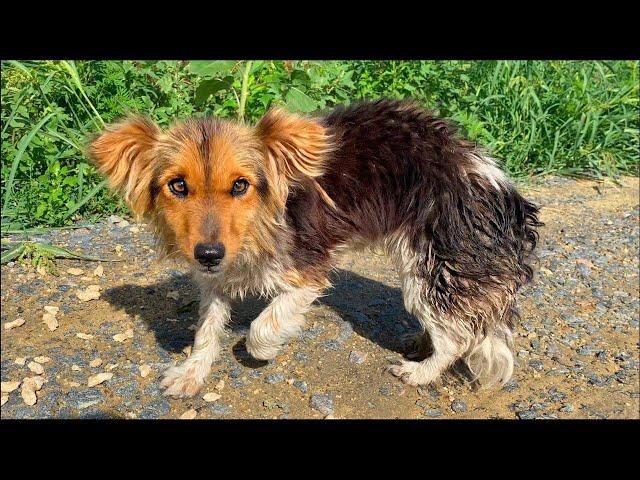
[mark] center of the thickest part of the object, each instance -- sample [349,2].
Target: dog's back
[460,233]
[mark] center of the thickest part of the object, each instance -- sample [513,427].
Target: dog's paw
[184,380]
[410,373]
[261,351]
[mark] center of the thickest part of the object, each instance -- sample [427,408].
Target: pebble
[42,359]
[84,336]
[536,365]
[121,337]
[433,413]
[144,370]
[16,323]
[21,360]
[458,406]
[75,271]
[99,378]
[301,385]
[189,414]
[92,292]
[35,368]
[211,397]
[357,357]
[274,378]
[322,403]
[50,321]
[8,387]
[95,362]
[99,271]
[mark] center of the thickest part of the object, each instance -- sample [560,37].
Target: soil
[577,345]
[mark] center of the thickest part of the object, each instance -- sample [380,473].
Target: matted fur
[383,173]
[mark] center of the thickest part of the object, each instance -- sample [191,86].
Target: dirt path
[577,344]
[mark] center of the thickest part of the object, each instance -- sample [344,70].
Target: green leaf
[209,87]
[58,252]
[298,101]
[211,68]
[16,160]
[12,253]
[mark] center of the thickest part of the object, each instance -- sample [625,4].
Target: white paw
[261,351]
[184,380]
[411,373]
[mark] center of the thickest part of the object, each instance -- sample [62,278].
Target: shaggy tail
[491,360]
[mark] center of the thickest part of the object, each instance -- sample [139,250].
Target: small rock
[50,321]
[99,378]
[211,397]
[121,337]
[322,403]
[92,292]
[274,378]
[433,413]
[458,406]
[145,370]
[28,394]
[84,336]
[42,359]
[189,414]
[8,387]
[220,385]
[95,362]
[75,271]
[21,361]
[99,271]
[301,385]
[76,368]
[566,408]
[35,368]
[16,323]
[536,365]
[357,357]
[53,310]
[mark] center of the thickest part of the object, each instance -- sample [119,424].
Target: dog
[267,209]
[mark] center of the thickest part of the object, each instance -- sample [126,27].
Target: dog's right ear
[124,153]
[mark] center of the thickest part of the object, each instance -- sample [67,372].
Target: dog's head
[213,188]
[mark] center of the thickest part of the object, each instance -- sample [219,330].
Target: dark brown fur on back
[397,168]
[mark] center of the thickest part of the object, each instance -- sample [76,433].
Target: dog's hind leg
[280,321]
[447,347]
[449,339]
[186,379]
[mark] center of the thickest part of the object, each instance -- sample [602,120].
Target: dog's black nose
[209,254]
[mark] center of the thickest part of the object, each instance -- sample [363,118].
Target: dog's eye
[239,187]
[178,187]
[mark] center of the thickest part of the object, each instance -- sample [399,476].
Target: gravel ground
[576,347]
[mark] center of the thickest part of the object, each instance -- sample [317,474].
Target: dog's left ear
[295,146]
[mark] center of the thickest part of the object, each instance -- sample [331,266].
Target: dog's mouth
[209,270]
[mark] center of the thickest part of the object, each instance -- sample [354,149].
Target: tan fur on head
[123,152]
[295,148]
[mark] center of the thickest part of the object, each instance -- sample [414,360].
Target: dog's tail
[491,359]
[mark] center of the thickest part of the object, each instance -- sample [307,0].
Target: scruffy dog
[266,209]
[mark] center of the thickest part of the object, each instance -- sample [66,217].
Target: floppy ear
[295,146]
[123,152]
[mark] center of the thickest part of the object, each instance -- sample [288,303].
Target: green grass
[556,117]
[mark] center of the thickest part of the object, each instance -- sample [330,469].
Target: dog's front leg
[186,379]
[280,321]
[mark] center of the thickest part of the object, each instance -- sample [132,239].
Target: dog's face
[211,187]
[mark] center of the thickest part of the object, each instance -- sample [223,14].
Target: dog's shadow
[373,309]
